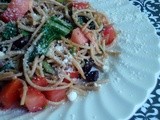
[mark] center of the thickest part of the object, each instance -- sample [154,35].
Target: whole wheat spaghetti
[52,49]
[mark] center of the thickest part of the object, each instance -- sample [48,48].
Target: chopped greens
[7,65]
[61,22]
[54,29]
[24,33]
[47,67]
[43,43]
[10,31]
[73,50]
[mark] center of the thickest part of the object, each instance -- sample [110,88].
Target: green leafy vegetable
[9,31]
[47,67]
[43,44]
[24,33]
[61,22]
[73,50]
[52,30]
[8,65]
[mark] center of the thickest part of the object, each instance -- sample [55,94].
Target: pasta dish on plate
[51,51]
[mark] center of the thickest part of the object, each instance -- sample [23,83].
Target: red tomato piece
[109,32]
[78,37]
[16,10]
[41,81]
[66,80]
[35,100]
[10,94]
[80,5]
[74,74]
[56,95]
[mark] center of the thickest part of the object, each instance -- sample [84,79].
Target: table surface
[151,109]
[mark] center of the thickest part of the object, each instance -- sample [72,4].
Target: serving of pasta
[51,51]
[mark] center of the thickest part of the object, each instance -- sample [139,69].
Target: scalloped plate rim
[136,107]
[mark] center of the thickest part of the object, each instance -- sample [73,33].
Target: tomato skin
[110,32]
[41,81]
[10,94]
[73,74]
[78,37]
[16,10]
[56,95]
[80,5]
[35,100]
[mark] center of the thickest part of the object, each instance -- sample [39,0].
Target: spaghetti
[59,41]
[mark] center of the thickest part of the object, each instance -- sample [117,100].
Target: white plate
[132,78]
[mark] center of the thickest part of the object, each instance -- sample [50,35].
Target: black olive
[92,76]
[92,26]
[83,19]
[19,44]
[88,65]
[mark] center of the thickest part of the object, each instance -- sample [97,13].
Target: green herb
[62,22]
[9,31]
[8,65]
[73,50]
[47,67]
[24,33]
[54,29]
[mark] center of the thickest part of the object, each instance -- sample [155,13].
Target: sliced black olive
[92,76]
[92,26]
[82,19]
[19,44]
[88,65]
